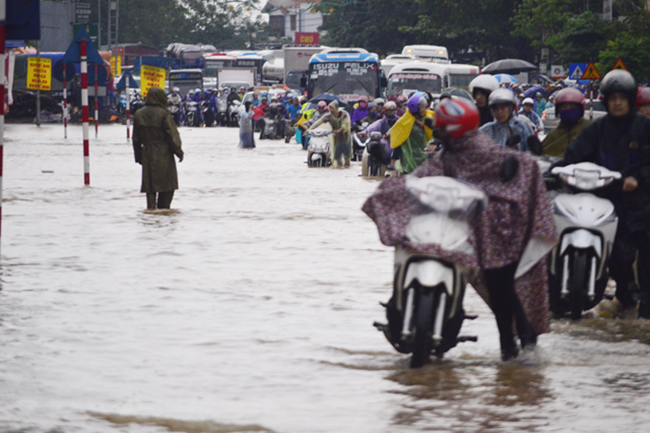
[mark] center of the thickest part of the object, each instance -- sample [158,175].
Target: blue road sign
[576,70]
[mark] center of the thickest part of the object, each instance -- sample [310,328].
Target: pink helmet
[643,96]
[401,99]
[363,99]
[457,117]
[569,95]
[322,104]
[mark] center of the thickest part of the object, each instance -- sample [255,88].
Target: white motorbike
[578,272]
[425,313]
[318,152]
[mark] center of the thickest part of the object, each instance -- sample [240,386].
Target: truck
[236,77]
[297,59]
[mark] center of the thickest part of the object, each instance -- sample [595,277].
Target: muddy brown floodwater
[249,308]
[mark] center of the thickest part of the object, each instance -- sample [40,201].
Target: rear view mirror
[303,82]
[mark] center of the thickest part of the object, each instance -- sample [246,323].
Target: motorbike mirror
[513,141]
[534,145]
[509,169]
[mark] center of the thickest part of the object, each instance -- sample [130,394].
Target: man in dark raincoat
[155,142]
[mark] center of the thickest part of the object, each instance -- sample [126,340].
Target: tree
[371,24]
[483,26]
[582,38]
[632,45]
[537,20]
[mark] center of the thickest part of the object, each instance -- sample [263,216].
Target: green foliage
[538,20]
[160,22]
[372,24]
[582,38]
[632,45]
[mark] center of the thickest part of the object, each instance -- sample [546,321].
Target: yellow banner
[151,76]
[116,66]
[39,73]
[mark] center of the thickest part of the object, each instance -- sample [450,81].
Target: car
[551,122]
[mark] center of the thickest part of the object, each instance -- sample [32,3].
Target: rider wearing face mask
[620,141]
[570,108]
[360,111]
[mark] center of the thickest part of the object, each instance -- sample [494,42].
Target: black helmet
[621,81]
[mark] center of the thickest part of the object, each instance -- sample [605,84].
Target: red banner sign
[303,38]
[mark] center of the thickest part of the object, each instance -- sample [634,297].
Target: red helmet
[570,95]
[457,117]
[643,96]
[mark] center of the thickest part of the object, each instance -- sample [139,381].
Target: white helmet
[502,96]
[378,101]
[484,82]
[528,101]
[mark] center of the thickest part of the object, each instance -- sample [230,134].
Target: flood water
[249,308]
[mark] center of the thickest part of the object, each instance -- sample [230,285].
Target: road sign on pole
[619,64]
[591,73]
[576,70]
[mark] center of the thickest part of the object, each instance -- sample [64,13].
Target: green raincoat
[155,142]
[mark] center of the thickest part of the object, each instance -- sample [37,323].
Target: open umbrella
[509,66]
[328,97]
[505,78]
[531,92]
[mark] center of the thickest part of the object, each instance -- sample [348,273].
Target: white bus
[407,78]
[395,59]
[428,53]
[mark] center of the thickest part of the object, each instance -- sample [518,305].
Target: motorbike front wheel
[578,284]
[422,341]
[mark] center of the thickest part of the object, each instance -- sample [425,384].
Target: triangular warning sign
[591,73]
[619,64]
[577,73]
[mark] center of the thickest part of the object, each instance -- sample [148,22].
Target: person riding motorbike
[506,129]
[481,87]
[514,279]
[570,108]
[411,133]
[321,110]
[232,96]
[643,101]
[401,101]
[360,111]
[527,110]
[383,126]
[620,141]
[374,114]
[340,122]
[273,116]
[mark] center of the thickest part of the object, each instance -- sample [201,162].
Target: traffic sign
[591,73]
[557,71]
[576,70]
[619,64]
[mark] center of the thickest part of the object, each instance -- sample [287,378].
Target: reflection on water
[173,425]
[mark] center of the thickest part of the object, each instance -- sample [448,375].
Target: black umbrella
[509,66]
[328,97]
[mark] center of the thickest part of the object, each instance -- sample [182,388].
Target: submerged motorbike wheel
[578,282]
[422,342]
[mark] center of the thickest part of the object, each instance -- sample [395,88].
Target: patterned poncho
[517,217]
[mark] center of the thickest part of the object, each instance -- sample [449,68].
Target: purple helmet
[415,102]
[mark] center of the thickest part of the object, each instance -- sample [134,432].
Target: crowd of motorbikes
[425,313]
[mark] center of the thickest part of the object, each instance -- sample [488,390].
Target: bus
[407,78]
[348,74]
[428,53]
[460,75]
